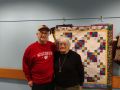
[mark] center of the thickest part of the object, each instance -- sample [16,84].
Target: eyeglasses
[63,44]
[44,32]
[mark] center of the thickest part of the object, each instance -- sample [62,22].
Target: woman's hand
[80,87]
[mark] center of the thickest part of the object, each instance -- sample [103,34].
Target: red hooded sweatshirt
[38,62]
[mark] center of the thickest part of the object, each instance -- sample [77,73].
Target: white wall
[15,36]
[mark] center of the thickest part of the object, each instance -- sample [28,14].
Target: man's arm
[26,67]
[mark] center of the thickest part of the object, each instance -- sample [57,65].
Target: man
[69,71]
[38,61]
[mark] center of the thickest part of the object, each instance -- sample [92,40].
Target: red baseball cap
[43,28]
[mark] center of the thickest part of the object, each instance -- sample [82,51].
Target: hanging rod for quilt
[45,20]
[63,19]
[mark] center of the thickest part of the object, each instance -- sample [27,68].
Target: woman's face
[63,47]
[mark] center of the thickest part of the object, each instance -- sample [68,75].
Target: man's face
[43,36]
[63,47]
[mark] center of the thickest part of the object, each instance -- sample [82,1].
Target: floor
[94,89]
[100,89]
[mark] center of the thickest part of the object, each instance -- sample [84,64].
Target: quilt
[93,43]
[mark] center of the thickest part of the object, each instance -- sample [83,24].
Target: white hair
[63,39]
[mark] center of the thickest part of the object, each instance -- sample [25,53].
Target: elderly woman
[69,71]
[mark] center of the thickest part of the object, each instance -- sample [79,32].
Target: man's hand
[30,83]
